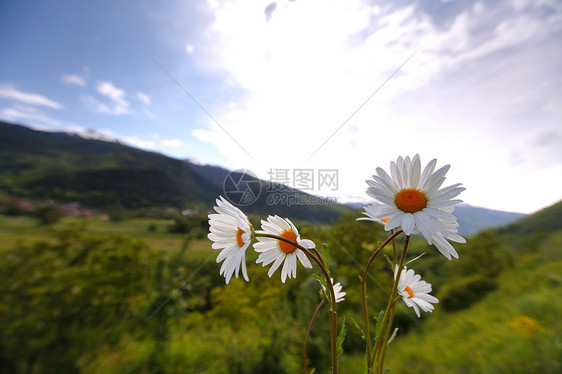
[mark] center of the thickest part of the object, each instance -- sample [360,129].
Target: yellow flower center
[286,247]
[410,200]
[409,291]
[239,240]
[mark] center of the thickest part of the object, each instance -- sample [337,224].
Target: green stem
[364,294]
[385,345]
[376,354]
[330,287]
[308,334]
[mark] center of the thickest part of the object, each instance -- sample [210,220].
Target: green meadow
[98,296]
[24,229]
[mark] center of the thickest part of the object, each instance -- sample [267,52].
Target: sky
[285,87]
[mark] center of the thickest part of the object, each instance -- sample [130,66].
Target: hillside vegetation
[109,175]
[82,302]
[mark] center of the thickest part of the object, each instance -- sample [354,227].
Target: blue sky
[303,84]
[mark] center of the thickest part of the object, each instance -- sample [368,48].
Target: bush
[62,299]
[466,291]
[195,225]
[48,215]
[14,210]
[486,253]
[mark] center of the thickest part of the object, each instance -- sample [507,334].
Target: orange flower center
[409,291]
[410,200]
[286,247]
[239,240]
[385,220]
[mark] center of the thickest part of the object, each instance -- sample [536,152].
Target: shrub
[48,215]
[466,291]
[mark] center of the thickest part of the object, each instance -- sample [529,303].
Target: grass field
[514,329]
[22,229]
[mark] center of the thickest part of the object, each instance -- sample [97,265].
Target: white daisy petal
[303,259]
[427,171]
[275,266]
[408,222]
[307,243]
[286,269]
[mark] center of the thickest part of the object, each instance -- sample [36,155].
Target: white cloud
[103,108]
[119,105]
[148,113]
[146,144]
[73,79]
[113,93]
[10,92]
[189,48]
[174,143]
[203,135]
[316,62]
[143,97]
[30,115]
[98,134]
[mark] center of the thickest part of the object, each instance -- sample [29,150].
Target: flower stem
[364,294]
[385,345]
[329,286]
[385,328]
[308,334]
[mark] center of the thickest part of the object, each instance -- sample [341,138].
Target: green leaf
[319,278]
[378,326]
[341,338]
[389,261]
[326,257]
[358,328]
[392,336]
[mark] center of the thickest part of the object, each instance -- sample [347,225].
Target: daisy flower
[414,292]
[337,291]
[231,231]
[271,249]
[413,199]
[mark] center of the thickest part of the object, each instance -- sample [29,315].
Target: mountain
[530,230]
[474,219]
[107,174]
[104,174]
[67,167]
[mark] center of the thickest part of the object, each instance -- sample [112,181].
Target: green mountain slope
[104,175]
[96,173]
[512,328]
[529,230]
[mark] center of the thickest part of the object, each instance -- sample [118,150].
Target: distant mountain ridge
[474,219]
[104,173]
